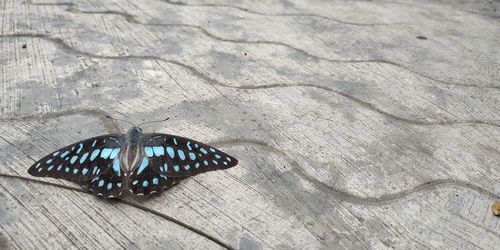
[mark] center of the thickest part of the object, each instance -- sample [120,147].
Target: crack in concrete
[131,19]
[343,195]
[281,14]
[372,107]
[336,193]
[110,125]
[126,202]
[349,197]
[65,47]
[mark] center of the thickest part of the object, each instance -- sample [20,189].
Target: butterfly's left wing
[93,162]
[177,156]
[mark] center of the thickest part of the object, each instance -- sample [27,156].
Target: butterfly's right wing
[167,159]
[93,162]
[177,156]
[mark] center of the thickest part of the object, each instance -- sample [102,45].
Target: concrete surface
[358,124]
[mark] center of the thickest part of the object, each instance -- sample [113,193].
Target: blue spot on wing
[143,165]
[73,159]
[106,152]
[192,156]
[79,148]
[94,154]
[116,167]
[181,154]
[84,157]
[164,168]
[159,151]
[149,151]
[171,152]
[114,153]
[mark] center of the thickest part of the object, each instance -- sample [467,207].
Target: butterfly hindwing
[109,183]
[145,180]
[177,156]
[93,162]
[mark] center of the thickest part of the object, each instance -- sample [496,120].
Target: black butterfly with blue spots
[140,163]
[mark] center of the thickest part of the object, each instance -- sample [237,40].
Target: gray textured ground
[358,124]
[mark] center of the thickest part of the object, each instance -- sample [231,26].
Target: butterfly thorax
[134,135]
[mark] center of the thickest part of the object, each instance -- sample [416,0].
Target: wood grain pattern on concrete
[358,124]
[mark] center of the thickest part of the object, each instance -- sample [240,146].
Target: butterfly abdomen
[131,157]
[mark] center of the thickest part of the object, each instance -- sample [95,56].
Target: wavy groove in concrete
[352,198]
[110,125]
[131,18]
[280,14]
[336,193]
[62,45]
[342,195]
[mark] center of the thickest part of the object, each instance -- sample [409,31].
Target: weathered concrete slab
[358,124]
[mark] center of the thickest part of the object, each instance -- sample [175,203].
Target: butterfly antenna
[166,119]
[133,125]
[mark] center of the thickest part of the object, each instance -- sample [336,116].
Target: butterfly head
[134,134]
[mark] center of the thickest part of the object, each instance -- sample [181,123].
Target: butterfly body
[136,162]
[132,153]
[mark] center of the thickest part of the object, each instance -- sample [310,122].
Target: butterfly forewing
[93,162]
[177,156]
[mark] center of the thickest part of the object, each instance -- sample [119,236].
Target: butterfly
[141,163]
